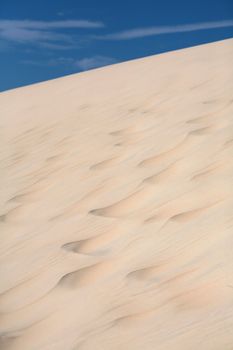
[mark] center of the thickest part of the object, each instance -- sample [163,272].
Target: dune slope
[116,211]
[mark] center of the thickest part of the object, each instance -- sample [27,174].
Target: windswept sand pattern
[116,207]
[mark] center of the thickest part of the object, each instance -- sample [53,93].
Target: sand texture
[117,207]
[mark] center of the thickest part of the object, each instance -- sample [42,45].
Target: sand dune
[116,211]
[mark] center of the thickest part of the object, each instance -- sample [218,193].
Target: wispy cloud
[45,33]
[159,30]
[73,64]
[94,62]
[68,62]
[29,24]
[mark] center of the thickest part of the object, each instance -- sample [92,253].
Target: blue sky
[45,39]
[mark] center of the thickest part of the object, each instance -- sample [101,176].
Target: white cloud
[94,62]
[28,24]
[53,62]
[74,64]
[43,32]
[59,46]
[159,30]
[24,35]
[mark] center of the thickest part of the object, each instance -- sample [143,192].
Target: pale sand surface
[117,207]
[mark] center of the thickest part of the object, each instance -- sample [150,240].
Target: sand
[116,210]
